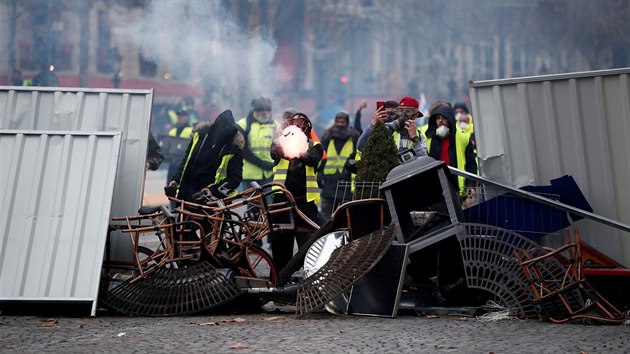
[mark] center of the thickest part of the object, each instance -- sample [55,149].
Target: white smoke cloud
[293,142]
[198,39]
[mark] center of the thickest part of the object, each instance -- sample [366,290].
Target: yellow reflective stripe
[186,132]
[312,189]
[259,142]
[280,172]
[222,169]
[192,148]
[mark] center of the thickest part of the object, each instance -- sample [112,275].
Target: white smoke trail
[199,40]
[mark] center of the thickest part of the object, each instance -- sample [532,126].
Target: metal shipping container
[56,192]
[533,129]
[80,109]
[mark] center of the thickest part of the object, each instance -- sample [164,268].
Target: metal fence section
[90,110]
[56,192]
[533,129]
[351,190]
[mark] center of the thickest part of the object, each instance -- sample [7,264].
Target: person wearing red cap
[404,130]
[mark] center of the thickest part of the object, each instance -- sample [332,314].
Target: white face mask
[463,125]
[442,131]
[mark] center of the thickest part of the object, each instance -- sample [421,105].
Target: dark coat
[214,141]
[435,148]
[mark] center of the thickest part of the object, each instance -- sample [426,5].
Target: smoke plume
[199,43]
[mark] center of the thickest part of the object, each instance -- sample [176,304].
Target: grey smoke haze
[222,54]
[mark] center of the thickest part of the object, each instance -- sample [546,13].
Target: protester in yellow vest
[258,128]
[463,117]
[175,154]
[213,162]
[299,176]
[186,104]
[455,148]
[340,142]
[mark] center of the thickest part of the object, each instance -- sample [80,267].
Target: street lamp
[116,60]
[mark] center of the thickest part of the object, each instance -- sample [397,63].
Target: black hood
[447,112]
[223,129]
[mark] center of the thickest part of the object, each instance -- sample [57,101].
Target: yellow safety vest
[172,114]
[186,132]
[312,189]
[461,141]
[335,161]
[357,158]
[259,141]
[396,135]
[221,170]
[469,128]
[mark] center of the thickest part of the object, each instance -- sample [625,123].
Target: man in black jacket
[453,146]
[214,158]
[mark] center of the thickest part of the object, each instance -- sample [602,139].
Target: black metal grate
[173,291]
[346,265]
[488,255]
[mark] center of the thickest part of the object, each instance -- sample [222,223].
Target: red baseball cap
[409,102]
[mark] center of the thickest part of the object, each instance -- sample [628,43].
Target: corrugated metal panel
[56,194]
[530,130]
[78,109]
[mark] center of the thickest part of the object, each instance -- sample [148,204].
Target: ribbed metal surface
[346,265]
[55,197]
[489,263]
[172,291]
[90,110]
[531,130]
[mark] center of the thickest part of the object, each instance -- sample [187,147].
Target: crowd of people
[224,157]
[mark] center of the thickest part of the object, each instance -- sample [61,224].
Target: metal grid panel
[55,192]
[531,130]
[489,263]
[172,291]
[346,265]
[90,110]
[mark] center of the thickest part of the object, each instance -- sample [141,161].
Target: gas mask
[391,116]
[442,131]
[262,117]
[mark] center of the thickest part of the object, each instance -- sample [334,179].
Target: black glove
[351,166]
[152,165]
[219,191]
[171,189]
[199,197]
[265,165]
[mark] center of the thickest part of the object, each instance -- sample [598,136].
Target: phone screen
[379,104]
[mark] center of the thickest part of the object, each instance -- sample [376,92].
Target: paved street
[282,332]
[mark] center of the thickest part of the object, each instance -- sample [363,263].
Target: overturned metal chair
[561,293]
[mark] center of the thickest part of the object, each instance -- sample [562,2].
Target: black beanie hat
[462,106]
[261,104]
